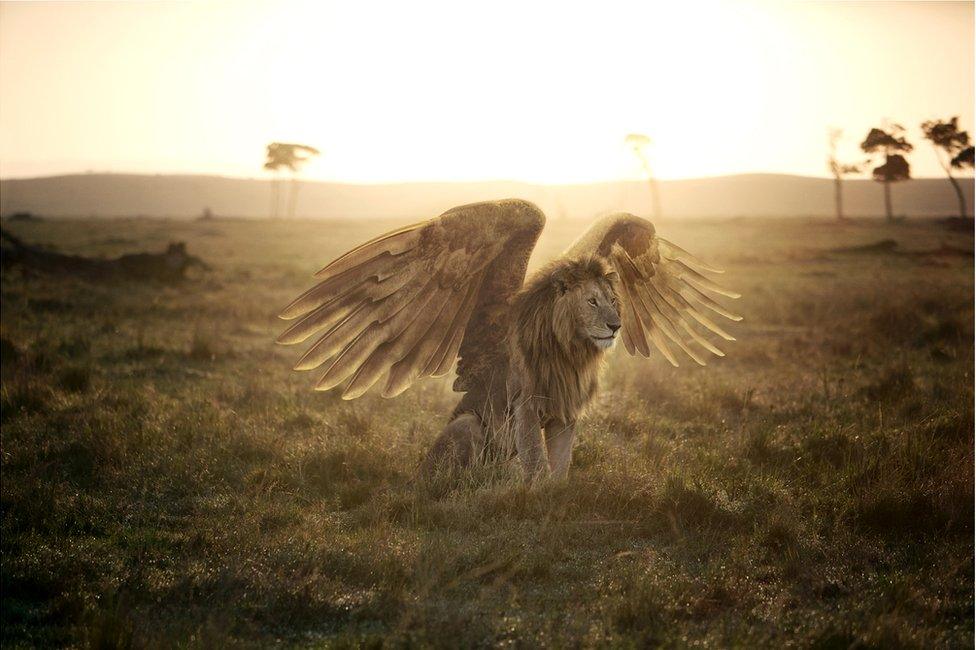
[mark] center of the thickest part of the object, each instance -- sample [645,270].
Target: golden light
[454,91]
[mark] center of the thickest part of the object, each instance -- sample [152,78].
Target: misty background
[186,196]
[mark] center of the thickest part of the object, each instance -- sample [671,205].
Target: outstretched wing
[407,303]
[664,291]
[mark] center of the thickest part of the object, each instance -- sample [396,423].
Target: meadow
[167,480]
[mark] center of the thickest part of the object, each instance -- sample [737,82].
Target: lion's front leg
[529,443]
[559,444]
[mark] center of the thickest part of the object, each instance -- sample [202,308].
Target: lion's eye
[592,302]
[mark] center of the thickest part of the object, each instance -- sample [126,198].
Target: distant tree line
[887,146]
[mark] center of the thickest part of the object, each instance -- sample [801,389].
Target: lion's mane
[555,365]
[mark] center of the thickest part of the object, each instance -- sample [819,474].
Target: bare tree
[838,170]
[887,143]
[949,144]
[640,143]
[285,155]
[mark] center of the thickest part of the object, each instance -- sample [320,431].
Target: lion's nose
[614,326]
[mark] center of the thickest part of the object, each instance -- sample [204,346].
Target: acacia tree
[949,144]
[888,143]
[291,156]
[640,143]
[838,170]
[964,160]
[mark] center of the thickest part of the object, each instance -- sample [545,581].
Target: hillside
[117,195]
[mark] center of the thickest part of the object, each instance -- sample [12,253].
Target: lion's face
[595,308]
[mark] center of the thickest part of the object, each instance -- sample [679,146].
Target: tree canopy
[964,159]
[288,155]
[879,140]
[946,135]
[894,169]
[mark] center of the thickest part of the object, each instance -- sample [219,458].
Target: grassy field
[168,480]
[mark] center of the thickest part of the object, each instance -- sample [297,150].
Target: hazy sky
[420,90]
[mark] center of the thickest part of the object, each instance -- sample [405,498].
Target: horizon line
[454,182]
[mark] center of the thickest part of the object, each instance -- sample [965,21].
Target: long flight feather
[691,275]
[664,324]
[697,295]
[411,365]
[701,340]
[327,315]
[674,252]
[443,359]
[371,338]
[370,362]
[394,243]
[662,345]
[672,294]
[628,312]
[380,267]
[342,335]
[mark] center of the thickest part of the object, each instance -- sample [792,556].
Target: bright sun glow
[449,91]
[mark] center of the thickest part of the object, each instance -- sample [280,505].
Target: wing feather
[662,345]
[668,287]
[674,252]
[661,321]
[627,340]
[443,358]
[691,275]
[662,316]
[675,315]
[630,319]
[410,366]
[701,340]
[380,267]
[331,312]
[388,356]
[710,324]
[664,289]
[366,316]
[393,243]
[380,335]
[701,298]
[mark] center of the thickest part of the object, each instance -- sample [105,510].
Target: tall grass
[168,481]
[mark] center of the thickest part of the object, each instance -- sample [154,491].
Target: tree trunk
[959,194]
[887,197]
[655,198]
[838,199]
[652,183]
[274,197]
[293,197]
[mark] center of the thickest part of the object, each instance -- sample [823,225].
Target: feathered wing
[665,294]
[406,304]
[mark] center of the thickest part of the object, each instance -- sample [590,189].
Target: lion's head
[585,305]
[573,304]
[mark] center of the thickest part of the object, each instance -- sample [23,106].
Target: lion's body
[550,367]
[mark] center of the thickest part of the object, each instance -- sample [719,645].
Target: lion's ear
[611,276]
[559,281]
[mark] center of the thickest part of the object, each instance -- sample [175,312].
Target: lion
[562,322]
[450,293]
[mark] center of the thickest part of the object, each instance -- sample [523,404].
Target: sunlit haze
[414,91]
